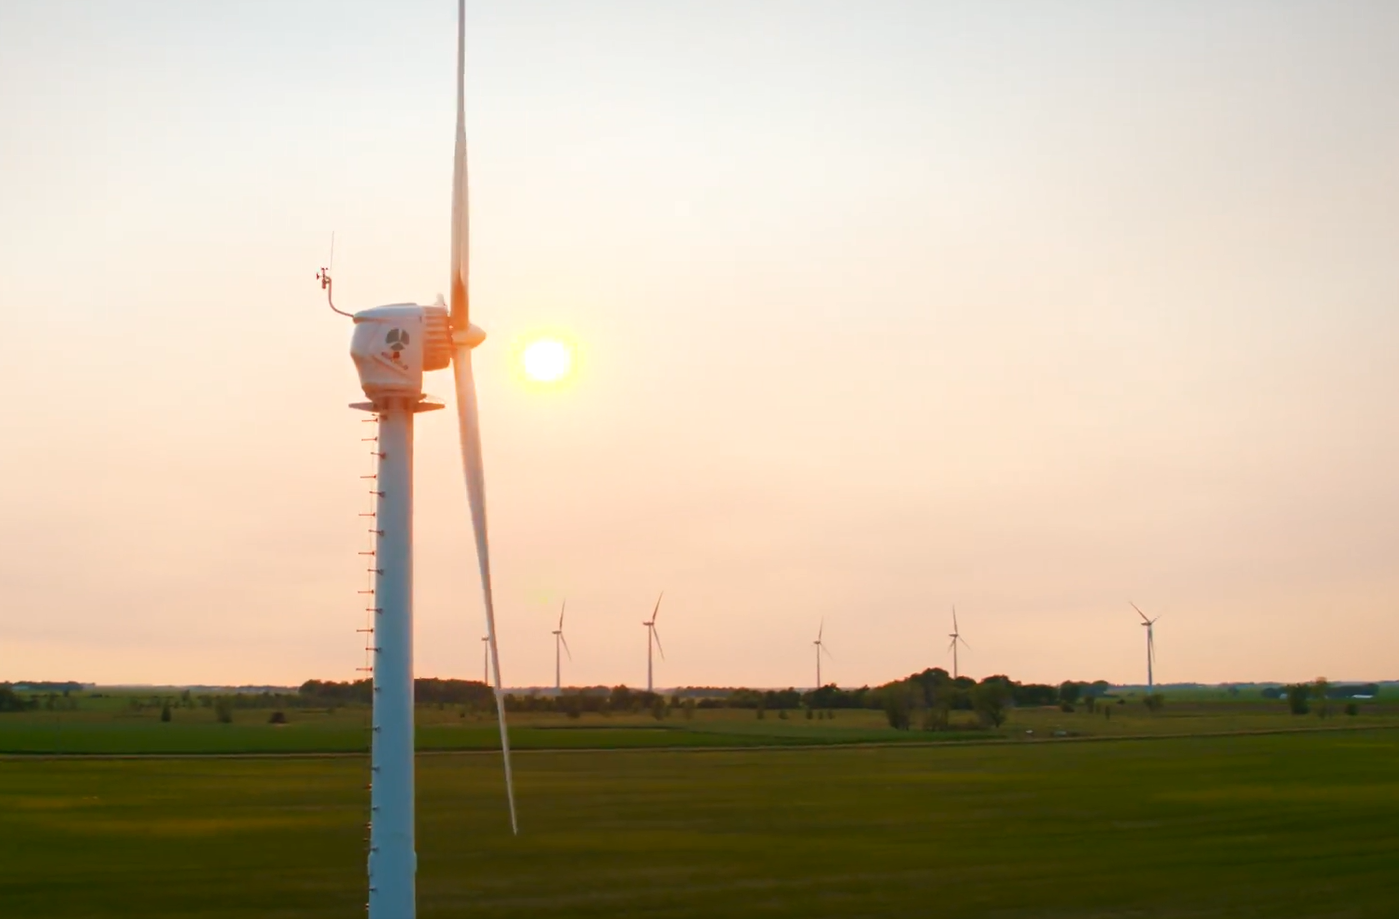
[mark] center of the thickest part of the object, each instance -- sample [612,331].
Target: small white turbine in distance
[653,637]
[1150,626]
[957,638]
[820,649]
[559,640]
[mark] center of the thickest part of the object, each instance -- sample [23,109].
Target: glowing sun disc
[547,360]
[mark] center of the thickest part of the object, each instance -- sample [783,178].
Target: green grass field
[1291,825]
[108,724]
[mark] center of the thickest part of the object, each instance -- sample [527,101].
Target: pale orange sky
[1034,308]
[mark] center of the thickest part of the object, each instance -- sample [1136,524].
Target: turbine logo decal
[396,340]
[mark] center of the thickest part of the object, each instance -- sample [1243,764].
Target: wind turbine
[653,637]
[392,346]
[560,640]
[820,648]
[1150,625]
[956,637]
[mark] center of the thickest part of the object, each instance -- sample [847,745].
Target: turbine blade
[657,611]
[657,636]
[561,609]
[1139,612]
[827,651]
[952,644]
[565,646]
[964,642]
[954,618]
[821,631]
[468,420]
[461,311]
[469,426]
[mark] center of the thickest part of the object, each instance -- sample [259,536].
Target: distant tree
[223,710]
[1067,707]
[1069,692]
[278,717]
[1352,708]
[898,706]
[688,709]
[11,701]
[1091,703]
[809,713]
[658,708]
[1320,688]
[1297,694]
[761,712]
[934,718]
[165,712]
[991,699]
[782,714]
[1153,701]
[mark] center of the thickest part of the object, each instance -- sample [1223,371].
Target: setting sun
[547,360]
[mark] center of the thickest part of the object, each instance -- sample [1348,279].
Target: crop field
[1287,825]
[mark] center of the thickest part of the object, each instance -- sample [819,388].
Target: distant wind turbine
[956,637]
[653,637]
[820,648]
[559,640]
[1149,625]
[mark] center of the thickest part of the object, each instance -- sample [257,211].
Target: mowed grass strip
[1267,826]
[346,730]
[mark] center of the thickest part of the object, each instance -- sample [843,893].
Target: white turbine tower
[560,640]
[1150,626]
[392,346]
[653,638]
[957,638]
[820,649]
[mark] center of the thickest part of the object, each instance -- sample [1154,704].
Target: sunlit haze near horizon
[873,309]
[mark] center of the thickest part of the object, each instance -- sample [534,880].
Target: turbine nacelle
[392,346]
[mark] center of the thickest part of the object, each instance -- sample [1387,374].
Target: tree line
[924,699]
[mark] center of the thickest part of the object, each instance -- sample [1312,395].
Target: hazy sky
[1035,308]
